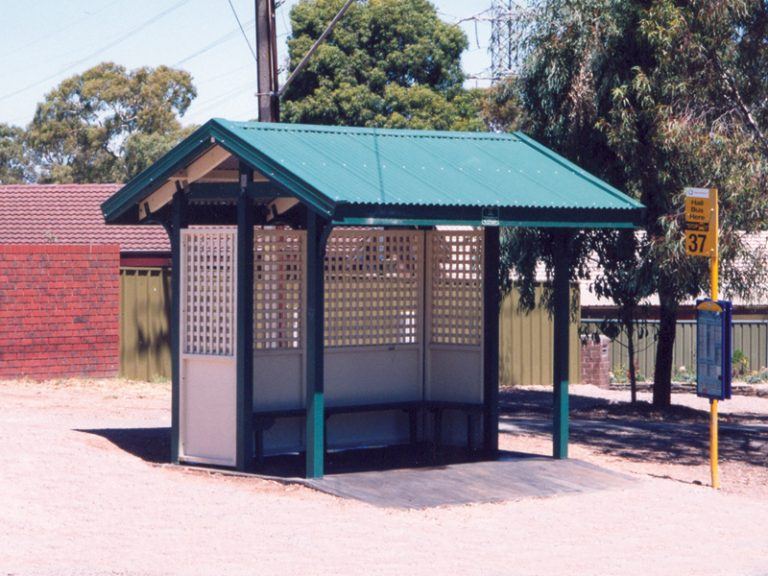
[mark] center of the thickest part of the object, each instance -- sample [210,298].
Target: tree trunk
[662,375]
[630,329]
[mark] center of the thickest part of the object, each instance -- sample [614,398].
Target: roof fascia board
[358,214]
[502,223]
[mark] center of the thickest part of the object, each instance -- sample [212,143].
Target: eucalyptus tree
[15,164]
[108,123]
[653,97]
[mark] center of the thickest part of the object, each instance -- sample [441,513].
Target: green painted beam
[460,221]
[217,191]
[245,219]
[178,222]
[491,305]
[318,230]
[562,303]
[519,216]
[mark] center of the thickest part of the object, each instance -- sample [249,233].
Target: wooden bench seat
[264,419]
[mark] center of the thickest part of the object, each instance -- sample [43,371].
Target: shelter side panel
[278,384]
[455,375]
[208,397]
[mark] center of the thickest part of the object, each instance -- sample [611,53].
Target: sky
[45,41]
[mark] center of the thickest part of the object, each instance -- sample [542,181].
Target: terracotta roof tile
[69,214]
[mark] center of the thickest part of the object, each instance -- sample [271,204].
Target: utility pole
[266,57]
[266,61]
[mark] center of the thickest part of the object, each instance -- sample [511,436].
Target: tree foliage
[390,63]
[108,123]
[655,96]
[15,166]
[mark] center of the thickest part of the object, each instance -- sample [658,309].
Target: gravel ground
[72,502]
[671,444]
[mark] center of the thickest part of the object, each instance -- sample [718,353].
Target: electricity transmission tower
[502,41]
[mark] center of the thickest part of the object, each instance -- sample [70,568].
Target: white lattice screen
[457,287]
[373,287]
[278,288]
[373,290]
[208,291]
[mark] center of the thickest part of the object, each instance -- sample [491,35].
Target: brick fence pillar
[596,360]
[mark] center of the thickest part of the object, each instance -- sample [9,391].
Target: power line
[245,36]
[217,42]
[112,44]
[59,30]
[210,102]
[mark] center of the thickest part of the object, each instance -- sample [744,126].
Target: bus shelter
[338,288]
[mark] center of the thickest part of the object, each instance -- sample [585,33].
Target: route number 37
[696,243]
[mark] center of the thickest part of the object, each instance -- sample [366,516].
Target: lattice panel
[372,287]
[278,289]
[457,287]
[208,291]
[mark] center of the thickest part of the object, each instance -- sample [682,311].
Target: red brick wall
[59,311]
[596,361]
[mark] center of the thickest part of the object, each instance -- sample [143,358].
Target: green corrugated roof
[366,175]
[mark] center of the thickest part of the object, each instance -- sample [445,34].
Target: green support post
[491,304]
[562,303]
[317,237]
[245,438]
[178,222]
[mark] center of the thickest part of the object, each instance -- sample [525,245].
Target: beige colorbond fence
[749,336]
[145,310]
[525,342]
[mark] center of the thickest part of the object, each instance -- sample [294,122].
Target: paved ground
[512,477]
[72,501]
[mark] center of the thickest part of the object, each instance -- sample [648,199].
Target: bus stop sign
[713,349]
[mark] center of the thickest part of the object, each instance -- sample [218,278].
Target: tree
[390,63]
[652,97]
[627,284]
[15,165]
[106,124]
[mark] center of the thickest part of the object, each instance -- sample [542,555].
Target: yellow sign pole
[714,263]
[702,227]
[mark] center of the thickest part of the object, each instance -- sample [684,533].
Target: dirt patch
[73,500]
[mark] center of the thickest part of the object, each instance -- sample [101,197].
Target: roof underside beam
[203,168]
[277,201]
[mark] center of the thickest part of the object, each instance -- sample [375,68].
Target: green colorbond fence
[145,342]
[749,336]
[525,345]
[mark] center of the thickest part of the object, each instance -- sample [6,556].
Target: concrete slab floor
[512,477]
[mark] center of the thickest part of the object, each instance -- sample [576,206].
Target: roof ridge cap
[375,131]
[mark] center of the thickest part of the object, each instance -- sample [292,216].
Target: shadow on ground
[641,432]
[150,444]
[154,445]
